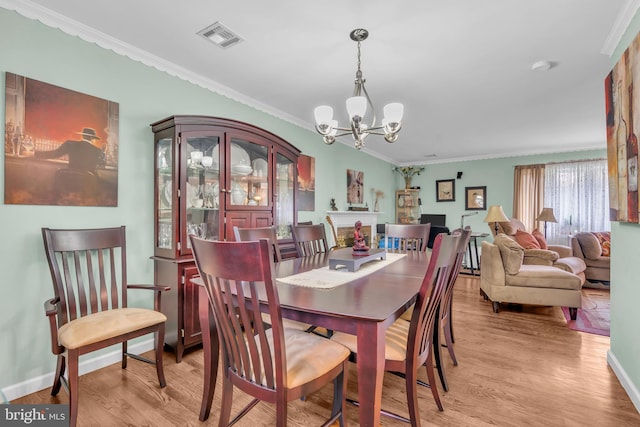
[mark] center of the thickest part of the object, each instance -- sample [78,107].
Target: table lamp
[496,215]
[546,215]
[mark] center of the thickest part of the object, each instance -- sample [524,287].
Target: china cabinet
[212,174]
[408,206]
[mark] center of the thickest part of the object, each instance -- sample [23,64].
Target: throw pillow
[604,237]
[526,240]
[540,238]
[590,245]
[512,253]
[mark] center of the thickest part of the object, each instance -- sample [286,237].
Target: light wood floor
[520,367]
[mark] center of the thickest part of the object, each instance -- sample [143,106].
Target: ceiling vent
[220,35]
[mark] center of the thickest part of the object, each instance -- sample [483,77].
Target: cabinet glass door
[201,190]
[165,193]
[284,184]
[249,174]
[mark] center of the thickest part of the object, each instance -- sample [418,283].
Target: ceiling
[462,68]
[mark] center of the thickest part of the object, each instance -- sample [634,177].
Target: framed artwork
[621,91]
[475,198]
[446,190]
[355,186]
[306,183]
[60,146]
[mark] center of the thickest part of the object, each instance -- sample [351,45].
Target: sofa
[504,278]
[560,256]
[594,250]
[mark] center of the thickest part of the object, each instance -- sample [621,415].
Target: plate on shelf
[239,169]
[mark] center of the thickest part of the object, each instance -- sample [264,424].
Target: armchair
[560,256]
[587,247]
[505,278]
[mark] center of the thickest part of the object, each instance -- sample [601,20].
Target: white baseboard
[627,384]
[33,385]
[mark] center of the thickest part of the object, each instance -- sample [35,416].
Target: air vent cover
[218,34]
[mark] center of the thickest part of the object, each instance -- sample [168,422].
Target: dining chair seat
[105,325]
[307,356]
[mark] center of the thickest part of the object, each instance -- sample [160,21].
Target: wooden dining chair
[269,233]
[268,362]
[405,237]
[248,234]
[309,239]
[408,345]
[89,310]
[444,318]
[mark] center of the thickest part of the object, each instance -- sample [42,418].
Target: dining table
[364,304]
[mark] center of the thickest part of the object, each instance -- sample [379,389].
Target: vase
[407,182]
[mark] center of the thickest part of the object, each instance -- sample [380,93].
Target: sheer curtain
[528,193]
[578,192]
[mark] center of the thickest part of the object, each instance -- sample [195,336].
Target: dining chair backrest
[423,320]
[239,279]
[446,306]
[406,237]
[309,239]
[88,268]
[235,274]
[254,234]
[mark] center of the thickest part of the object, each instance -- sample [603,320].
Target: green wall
[146,95]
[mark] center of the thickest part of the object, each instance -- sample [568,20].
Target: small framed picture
[446,190]
[475,198]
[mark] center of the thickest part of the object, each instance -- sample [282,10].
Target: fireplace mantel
[346,220]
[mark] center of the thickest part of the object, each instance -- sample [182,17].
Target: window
[578,192]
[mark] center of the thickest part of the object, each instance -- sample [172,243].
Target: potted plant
[408,172]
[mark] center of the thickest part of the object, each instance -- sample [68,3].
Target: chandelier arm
[373,110]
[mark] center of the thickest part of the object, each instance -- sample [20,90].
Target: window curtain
[528,193]
[578,192]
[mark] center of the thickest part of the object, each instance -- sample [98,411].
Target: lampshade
[323,114]
[393,112]
[547,215]
[496,214]
[357,106]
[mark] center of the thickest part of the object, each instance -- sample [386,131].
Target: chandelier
[357,108]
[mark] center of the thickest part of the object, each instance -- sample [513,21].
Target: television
[434,219]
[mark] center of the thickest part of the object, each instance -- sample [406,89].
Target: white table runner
[324,278]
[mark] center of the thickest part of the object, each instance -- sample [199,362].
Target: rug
[593,317]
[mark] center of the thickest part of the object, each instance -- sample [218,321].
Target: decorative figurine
[359,245]
[332,203]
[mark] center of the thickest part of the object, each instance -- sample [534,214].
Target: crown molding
[626,14]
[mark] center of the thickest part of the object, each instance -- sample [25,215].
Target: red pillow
[540,238]
[526,240]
